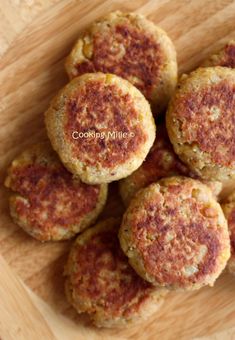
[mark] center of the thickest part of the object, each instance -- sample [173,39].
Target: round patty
[228,207]
[201,122]
[160,162]
[101,126]
[175,234]
[131,47]
[100,281]
[49,203]
[225,57]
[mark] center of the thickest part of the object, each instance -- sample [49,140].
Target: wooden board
[35,36]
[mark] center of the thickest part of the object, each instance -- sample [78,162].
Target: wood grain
[35,36]
[20,319]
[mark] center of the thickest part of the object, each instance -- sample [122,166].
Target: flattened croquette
[131,47]
[175,234]
[101,126]
[48,202]
[200,122]
[100,281]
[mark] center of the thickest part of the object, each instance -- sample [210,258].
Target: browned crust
[105,106]
[175,234]
[160,162]
[200,122]
[99,105]
[225,57]
[228,207]
[48,202]
[100,282]
[131,47]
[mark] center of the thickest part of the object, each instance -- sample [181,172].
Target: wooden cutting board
[35,36]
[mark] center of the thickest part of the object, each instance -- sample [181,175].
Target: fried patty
[100,281]
[175,234]
[225,57]
[160,162]
[131,47]
[228,207]
[101,126]
[48,202]
[200,122]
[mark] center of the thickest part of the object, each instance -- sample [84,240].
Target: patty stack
[174,234]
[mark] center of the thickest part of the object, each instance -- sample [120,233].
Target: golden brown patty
[175,234]
[200,122]
[100,282]
[228,207]
[160,162]
[48,202]
[225,57]
[101,126]
[131,47]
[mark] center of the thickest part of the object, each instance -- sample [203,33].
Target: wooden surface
[15,304]
[35,36]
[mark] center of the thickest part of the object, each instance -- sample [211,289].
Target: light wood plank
[20,319]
